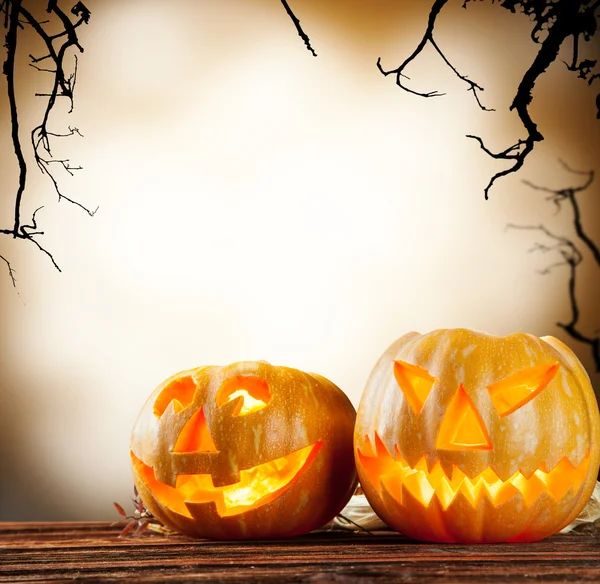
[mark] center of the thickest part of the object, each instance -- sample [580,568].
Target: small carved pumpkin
[244,451]
[467,437]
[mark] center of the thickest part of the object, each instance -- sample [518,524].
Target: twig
[296,22]
[428,38]
[359,527]
[571,256]
[559,20]
[11,271]
[141,519]
[15,16]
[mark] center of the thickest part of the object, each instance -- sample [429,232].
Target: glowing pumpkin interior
[462,429]
[253,394]
[258,485]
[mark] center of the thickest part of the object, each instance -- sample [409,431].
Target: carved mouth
[395,475]
[257,486]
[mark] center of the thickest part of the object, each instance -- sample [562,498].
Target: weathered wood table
[61,552]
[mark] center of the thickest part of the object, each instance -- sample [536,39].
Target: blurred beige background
[259,203]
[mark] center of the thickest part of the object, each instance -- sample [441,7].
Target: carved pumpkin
[244,451]
[467,437]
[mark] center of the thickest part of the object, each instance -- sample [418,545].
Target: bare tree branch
[557,20]
[12,11]
[428,38]
[569,195]
[11,272]
[567,249]
[56,45]
[571,256]
[296,22]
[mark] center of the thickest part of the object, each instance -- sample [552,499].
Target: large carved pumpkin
[244,451]
[467,437]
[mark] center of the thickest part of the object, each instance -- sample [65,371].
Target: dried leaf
[120,509]
[141,519]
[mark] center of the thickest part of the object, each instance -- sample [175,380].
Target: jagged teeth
[395,474]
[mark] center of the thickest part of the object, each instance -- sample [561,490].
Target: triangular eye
[514,391]
[180,391]
[195,435]
[415,382]
[462,427]
[252,394]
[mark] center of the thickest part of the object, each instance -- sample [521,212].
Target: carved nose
[462,427]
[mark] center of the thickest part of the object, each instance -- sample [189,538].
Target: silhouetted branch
[11,271]
[428,38]
[547,54]
[567,249]
[63,85]
[296,22]
[557,20]
[571,256]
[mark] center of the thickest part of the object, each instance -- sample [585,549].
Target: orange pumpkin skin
[467,437]
[245,451]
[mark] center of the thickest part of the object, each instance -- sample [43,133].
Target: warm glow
[516,390]
[415,382]
[249,404]
[395,475]
[259,203]
[462,427]
[257,486]
[195,435]
[180,392]
[252,393]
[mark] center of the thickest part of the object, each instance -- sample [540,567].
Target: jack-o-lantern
[245,451]
[468,437]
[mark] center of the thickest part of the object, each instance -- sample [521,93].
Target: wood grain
[61,552]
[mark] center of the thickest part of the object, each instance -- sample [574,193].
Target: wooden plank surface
[61,552]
